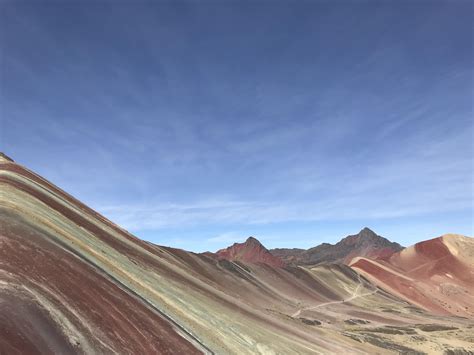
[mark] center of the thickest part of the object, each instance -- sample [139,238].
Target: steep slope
[437,275]
[251,251]
[53,297]
[365,243]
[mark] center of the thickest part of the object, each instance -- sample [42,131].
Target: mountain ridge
[364,243]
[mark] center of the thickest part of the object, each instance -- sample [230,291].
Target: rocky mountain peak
[364,243]
[251,251]
[253,241]
[367,232]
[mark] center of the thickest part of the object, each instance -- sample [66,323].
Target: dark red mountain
[251,251]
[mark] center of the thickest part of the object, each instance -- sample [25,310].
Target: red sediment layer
[432,249]
[440,282]
[105,315]
[399,284]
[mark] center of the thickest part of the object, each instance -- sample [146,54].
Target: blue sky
[197,124]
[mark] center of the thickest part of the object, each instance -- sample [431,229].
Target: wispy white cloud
[196,130]
[425,179]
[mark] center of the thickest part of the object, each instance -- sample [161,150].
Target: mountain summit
[368,239]
[251,251]
[364,243]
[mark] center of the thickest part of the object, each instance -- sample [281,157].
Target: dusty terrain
[437,275]
[71,281]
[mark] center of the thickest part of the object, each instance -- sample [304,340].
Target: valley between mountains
[72,281]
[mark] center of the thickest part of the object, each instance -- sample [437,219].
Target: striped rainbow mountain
[71,281]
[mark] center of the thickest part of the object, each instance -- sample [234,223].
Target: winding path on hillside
[352,297]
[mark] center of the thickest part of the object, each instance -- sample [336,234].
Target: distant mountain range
[427,274]
[364,243]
